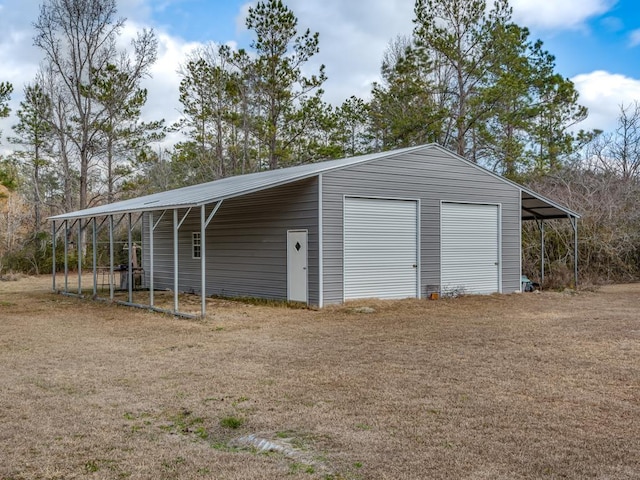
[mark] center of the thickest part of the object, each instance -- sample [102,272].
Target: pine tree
[121,134]
[34,134]
[5,94]
[281,88]
[455,39]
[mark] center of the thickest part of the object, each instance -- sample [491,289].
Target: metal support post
[53,255]
[203,263]
[129,264]
[151,259]
[542,253]
[111,286]
[79,255]
[95,258]
[574,223]
[66,256]
[175,260]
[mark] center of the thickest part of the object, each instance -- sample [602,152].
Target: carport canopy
[538,208]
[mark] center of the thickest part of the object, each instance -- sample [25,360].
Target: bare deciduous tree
[78,39]
[618,152]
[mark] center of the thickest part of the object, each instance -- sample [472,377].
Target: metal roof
[537,207]
[210,192]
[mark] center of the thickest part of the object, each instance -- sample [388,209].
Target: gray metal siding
[431,177]
[246,244]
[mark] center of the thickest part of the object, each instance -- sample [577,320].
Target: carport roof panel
[537,207]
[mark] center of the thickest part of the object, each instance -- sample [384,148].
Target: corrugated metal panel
[380,248]
[244,184]
[227,187]
[246,244]
[470,248]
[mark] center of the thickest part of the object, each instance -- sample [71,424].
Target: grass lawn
[492,387]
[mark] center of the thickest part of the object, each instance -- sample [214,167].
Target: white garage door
[470,248]
[380,248]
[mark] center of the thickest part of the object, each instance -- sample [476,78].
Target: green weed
[91,466]
[231,422]
[297,467]
[363,426]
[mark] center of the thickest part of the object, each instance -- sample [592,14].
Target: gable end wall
[431,177]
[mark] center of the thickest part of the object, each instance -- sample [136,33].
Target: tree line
[467,77]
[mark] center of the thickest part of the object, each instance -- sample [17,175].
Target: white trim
[320,246]
[375,197]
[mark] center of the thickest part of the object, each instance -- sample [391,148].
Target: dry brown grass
[514,386]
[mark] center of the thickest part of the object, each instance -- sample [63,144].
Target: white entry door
[297,281]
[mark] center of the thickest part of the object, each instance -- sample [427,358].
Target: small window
[195,244]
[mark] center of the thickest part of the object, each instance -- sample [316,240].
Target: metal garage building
[395,224]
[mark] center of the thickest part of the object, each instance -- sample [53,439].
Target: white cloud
[242,15]
[163,101]
[353,38]
[603,93]
[558,14]
[20,62]
[634,38]
[164,80]
[18,57]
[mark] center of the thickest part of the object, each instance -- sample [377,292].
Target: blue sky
[596,44]
[199,20]
[609,41]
